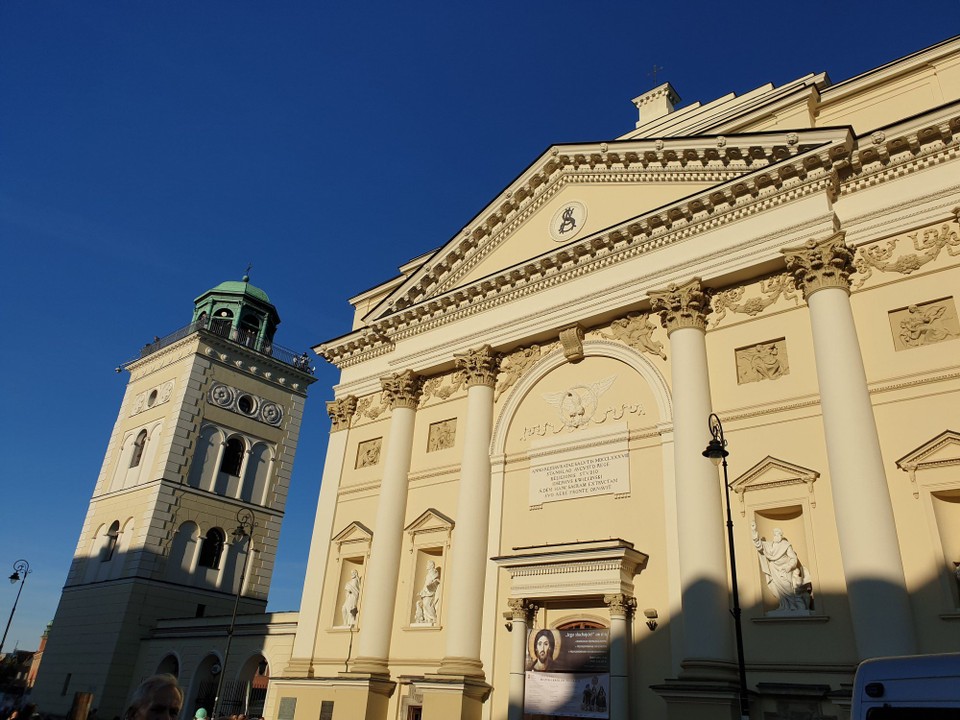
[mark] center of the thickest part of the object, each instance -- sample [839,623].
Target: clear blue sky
[150,149]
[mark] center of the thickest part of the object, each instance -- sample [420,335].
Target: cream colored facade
[519,426]
[156,542]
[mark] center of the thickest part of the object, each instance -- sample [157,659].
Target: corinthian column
[522,612]
[703,564]
[869,548]
[468,564]
[622,608]
[402,392]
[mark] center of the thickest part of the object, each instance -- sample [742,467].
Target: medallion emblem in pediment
[568,221]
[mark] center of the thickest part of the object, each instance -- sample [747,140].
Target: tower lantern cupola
[239,311]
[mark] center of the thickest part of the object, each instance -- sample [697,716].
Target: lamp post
[717,452]
[244,531]
[21,568]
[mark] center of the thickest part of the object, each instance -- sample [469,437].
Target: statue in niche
[786,577]
[636,330]
[351,597]
[923,326]
[425,612]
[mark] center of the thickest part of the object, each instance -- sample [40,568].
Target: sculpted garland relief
[927,245]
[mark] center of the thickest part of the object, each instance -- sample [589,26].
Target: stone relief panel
[753,298]
[894,256]
[513,366]
[442,435]
[924,324]
[763,361]
[152,397]
[244,403]
[579,406]
[368,453]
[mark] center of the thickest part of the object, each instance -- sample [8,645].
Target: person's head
[159,697]
[543,645]
[777,534]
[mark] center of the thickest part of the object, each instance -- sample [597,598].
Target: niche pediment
[940,451]
[430,521]
[770,473]
[353,539]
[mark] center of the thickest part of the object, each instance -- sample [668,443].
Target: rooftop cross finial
[653,73]
[246,275]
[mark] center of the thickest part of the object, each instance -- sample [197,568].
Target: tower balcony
[237,336]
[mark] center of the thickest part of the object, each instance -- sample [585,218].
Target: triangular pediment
[355,532]
[430,520]
[944,449]
[773,472]
[630,188]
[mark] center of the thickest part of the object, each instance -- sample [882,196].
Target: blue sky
[150,149]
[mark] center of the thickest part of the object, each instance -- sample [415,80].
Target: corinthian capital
[402,389]
[681,306]
[341,411]
[522,609]
[819,264]
[479,367]
[620,605]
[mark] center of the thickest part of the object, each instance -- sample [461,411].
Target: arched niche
[256,475]
[183,552]
[206,458]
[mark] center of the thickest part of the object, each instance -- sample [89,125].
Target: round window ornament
[568,221]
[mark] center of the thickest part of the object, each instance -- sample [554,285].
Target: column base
[461,666]
[299,668]
[450,697]
[705,690]
[362,696]
[369,666]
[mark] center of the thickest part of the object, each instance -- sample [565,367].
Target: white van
[919,687]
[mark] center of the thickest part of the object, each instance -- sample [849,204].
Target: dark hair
[147,689]
[547,634]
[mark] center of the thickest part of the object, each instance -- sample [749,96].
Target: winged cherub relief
[577,404]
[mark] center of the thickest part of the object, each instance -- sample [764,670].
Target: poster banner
[578,695]
[568,673]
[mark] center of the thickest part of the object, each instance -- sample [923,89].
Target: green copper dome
[239,311]
[241,287]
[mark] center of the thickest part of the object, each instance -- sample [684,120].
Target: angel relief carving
[927,243]
[514,365]
[636,330]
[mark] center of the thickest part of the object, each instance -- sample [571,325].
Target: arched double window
[212,549]
[110,546]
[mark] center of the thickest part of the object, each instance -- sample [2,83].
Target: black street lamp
[244,531]
[21,568]
[717,452]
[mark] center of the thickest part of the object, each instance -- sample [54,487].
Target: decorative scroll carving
[636,330]
[435,386]
[522,609]
[571,338]
[615,413]
[442,435]
[764,361]
[514,365]
[620,605]
[367,409]
[819,264]
[925,324]
[368,453]
[479,367]
[402,389]
[771,290]
[927,243]
[341,411]
[681,306]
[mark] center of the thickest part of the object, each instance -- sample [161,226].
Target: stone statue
[426,608]
[787,579]
[352,597]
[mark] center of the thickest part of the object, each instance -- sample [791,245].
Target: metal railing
[238,336]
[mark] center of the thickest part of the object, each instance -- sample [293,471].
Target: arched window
[138,446]
[113,534]
[212,549]
[232,457]
[249,329]
[222,322]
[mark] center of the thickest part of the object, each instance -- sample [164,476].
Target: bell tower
[208,428]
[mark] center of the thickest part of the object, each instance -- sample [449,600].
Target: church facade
[517,518]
